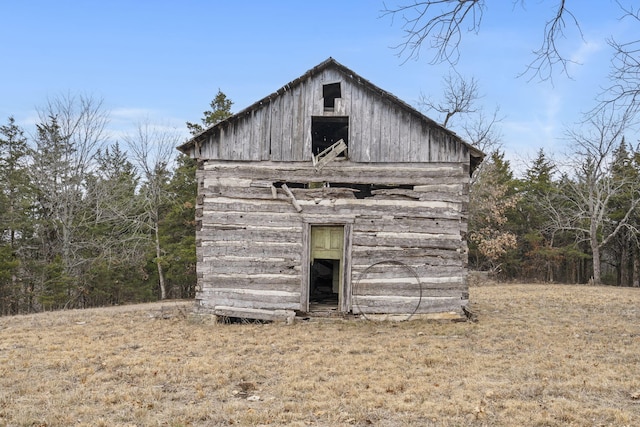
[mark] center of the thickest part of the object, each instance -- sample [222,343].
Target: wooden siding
[252,241]
[380,130]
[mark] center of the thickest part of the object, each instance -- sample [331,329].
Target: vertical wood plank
[305,267]
[375,126]
[286,120]
[396,148]
[276,129]
[346,268]
[404,137]
[308,95]
[355,123]
[297,124]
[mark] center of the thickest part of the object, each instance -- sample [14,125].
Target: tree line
[88,221]
[575,220]
[568,223]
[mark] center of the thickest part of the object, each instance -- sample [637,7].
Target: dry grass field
[539,355]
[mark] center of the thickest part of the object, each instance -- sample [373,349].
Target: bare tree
[69,135]
[459,97]
[441,25]
[459,100]
[583,205]
[153,148]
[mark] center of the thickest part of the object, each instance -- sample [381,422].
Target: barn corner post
[331,197]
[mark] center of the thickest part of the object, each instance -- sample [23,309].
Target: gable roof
[328,63]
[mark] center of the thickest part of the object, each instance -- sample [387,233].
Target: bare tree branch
[624,91]
[153,149]
[441,24]
[548,56]
[431,21]
[584,202]
[459,97]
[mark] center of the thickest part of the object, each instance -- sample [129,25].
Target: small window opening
[330,92]
[326,131]
[366,190]
[278,184]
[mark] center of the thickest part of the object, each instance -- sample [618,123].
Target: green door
[326,242]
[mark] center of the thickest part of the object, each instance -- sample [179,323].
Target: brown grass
[540,355]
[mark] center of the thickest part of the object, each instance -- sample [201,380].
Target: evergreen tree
[119,243]
[536,246]
[178,226]
[15,202]
[220,110]
[178,230]
[623,247]
[53,181]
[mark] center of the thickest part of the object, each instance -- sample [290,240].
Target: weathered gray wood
[258,282]
[369,240]
[253,239]
[242,234]
[367,224]
[305,267]
[265,219]
[293,199]
[390,304]
[212,249]
[327,155]
[347,268]
[406,291]
[326,192]
[252,299]
[378,174]
[419,209]
[254,313]
[256,265]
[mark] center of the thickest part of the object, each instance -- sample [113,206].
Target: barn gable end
[376,226]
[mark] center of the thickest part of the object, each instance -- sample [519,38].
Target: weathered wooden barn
[331,195]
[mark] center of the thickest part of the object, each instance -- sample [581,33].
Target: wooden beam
[328,154]
[254,313]
[294,201]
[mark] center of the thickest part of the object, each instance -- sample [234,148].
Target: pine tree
[15,201]
[623,246]
[119,242]
[536,244]
[220,110]
[178,230]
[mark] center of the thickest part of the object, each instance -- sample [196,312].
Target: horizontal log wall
[250,234]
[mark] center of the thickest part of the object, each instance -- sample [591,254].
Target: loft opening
[330,92]
[326,131]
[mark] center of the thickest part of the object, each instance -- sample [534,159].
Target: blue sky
[165,60]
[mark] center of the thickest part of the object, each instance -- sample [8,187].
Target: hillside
[551,355]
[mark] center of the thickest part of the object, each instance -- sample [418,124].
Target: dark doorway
[324,283]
